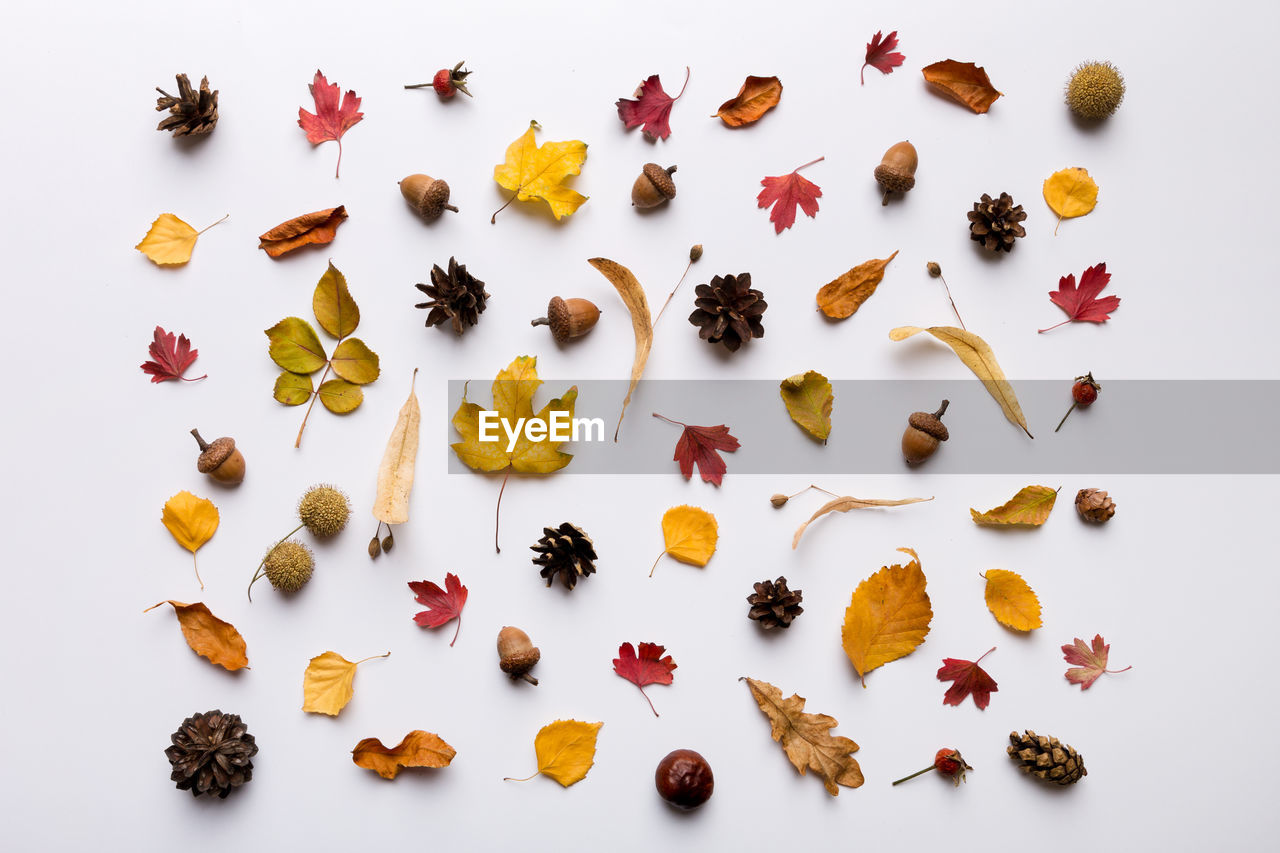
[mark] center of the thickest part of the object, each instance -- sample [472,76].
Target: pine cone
[191,113]
[728,311]
[455,295]
[994,224]
[1046,758]
[1094,505]
[567,550]
[773,605]
[210,754]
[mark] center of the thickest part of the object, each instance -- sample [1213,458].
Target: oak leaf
[209,636]
[191,521]
[809,399]
[844,296]
[757,96]
[887,618]
[649,667]
[327,683]
[399,458]
[846,503]
[1070,193]
[1082,304]
[699,445]
[1011,600]
[1090,661]
[787,191]
[330,120]
[963,82]
[170,357]
[566,749]
[1030,507]
[690,534]
[807,738]
[967,679]
[418,749]
[442,604]
[170,241]
[651,108]
[539,171]
[879,56]
[309,229]
[633,297]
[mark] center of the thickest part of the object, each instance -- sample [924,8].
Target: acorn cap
[894,180]
[661,178]
[215,453]
[930,423]
[558,317]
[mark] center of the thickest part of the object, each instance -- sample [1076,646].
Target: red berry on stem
[948,762]
[443,84]
[1083,393]
[447,81]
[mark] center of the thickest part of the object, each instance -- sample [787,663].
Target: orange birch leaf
[308,229]
[963,82]
[843,297]
[757,96]
[888,617]
[209,636]
[1013,603]
[418,749]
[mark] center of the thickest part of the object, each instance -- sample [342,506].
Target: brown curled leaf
[757,96]
[633,297]
[209,636]
[418,749]
[843,297]
[963,82]
[846,503]
[308,229]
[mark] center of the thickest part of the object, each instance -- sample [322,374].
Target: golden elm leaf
[192,521]
[295,346]
[418,749]
[844,296]
[808,399]
[641,325]
[292,389]
[538,171]
[887,618]
[690,534]
[1013,603]
[327,683]
[209,636]
[170,241]
[1070,193]
[335,310]
[1030,507]
[846,503]
[355,362]
[566,749]
[395,472]
[807,738]
[340,396]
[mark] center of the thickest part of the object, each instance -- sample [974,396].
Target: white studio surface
[1181,583]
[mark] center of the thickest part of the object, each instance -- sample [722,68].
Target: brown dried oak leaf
[807,738]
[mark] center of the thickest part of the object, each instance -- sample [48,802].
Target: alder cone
[211,754]
[995,223]
[456,295]
[728,311]
[565,551]
[1046,758]
[191,113]
[773,605]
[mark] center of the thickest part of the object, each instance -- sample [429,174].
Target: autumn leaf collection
[889,614]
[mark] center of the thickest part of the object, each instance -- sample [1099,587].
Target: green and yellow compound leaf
[293,389]
[295,346]
[340,396]
[355,362]
[335,310]
[1030,507]
[808,399]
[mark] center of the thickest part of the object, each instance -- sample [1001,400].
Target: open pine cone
[728,311]
[456,295]
[1046,758]
[566,551]
[995,224]
[191,113]
[773,605]
[210,754]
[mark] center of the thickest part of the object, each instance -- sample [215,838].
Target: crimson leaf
[170,357]
[784,192]
[698,445]
[1082,304]
[649,668]
[330,120]
[442,604]
[652,108]
[880,57]
[967,678]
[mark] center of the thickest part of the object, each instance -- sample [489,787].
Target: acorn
[220,460]
[517,654]
[568,318]
[897,169]
[653,187]
[427,195]
[924,432]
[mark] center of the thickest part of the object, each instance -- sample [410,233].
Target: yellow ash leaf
[633,297]
[690,534]
[888,617]
[418,749]
[538,171]
[1013,603]
[566,749]
[807,738]
[192,521]
[170,241]
[808,399]
[209,636]
[1030,507]
[846,503]
[1070,193]
[327,683]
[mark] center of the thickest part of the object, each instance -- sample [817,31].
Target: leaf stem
[686,84]
[371,657]
[418,85]
[525,779]
[914,775]
[650,701]
[987,652]
[196,565]
[497,513]
[1055,228]
[810,163]
[952,301]
[457,619]
[338,167]
[298,444]
[493,220]
[672,294]
[655,566]
[219,222]
[668,420]
[1051,328]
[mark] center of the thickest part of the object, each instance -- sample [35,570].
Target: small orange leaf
[310,228]
[1012,601]
[888,617]
[418,749]
[963,82]
[844,296]
[208,636]
[1030,507]
[757,96]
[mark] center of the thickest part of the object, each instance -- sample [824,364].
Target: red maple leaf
[649,668]
[698,445]
[652,108]
[1090,663]
[1082,304]
[879,56]
[784,192]
[967,677]
[330,121]
[170,357]
[444,605]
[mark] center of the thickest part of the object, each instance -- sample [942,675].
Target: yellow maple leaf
[1030,507]
[566,750]
[170,241]
[888,617]
[192,521]
[807,738]
[1012,601]
[538,171]
[418,749]
[690,534]
[1070,193]
[327,683]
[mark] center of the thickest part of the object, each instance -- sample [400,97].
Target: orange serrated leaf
[1012,601]
[843,297]
[963,82]
[418,749]
[888,617]
[757,96]
[209,636]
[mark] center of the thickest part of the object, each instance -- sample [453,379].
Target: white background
[1180,749]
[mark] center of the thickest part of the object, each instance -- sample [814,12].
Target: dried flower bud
[388,542]
[779,499]
[695,252]
[934,269]
[375,547]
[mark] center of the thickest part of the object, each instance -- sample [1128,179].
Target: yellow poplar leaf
[1012,601]
[808,399]
[566,749]
[340,396]
[336,311]
[843,297]
[807,738]
[1070,193]
[978,357]
[418,749]
[888,617]
[633,297]
[538,171]
[1030,507]
[326,685]
[209,636]
[170,241]
[395,472]
[846,503]
[192,521]
[690,534]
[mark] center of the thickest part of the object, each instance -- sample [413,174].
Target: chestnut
[684,779]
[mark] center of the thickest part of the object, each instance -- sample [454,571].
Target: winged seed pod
[395,473]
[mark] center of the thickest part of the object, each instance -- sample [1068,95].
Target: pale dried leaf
[846,503]
[395,473]
[641,324]
[807,738]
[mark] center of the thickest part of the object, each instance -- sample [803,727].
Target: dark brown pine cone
[191,113]
[566,551]
[210,754]
[994,224]
[728,311]
[456,295]
[1046,758]
[773,605]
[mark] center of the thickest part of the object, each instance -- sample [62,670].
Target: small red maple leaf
[967,677]
[784,192]
[698,445]
[652,108]
[879,56]
[649,668]
[443,604]
[1090,663]
[170,357]
[330,121]
[1082,304]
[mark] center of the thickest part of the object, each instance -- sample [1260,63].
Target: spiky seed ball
[1095,90]
[324,510]
[289,566]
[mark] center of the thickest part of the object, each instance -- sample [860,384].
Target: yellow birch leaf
[326,685]
[170,241]
[690,534]
[209,636]
[807,738]
[633,297]
[566,749]
[846,503]
[395,472]
[978,357]
[192,521]
[888,617]
[808,399]
[1030,507]
[843,297]
[1070,193]
[1013,603]
[418,749]
[538,171]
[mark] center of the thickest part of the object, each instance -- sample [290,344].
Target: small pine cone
[565,550]
[995,224]
[456,295]
[1046,758]
[728,311]
[773,605]
[210,754]
[1094,505]
[191,113]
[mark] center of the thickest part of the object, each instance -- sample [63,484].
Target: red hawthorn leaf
[170,357]
[879,57]
[1082,304]
[330,121]
[967,677]
[649,668]
[652,108]
[784,192]
[444,605]
[1090,663]
[698,446]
